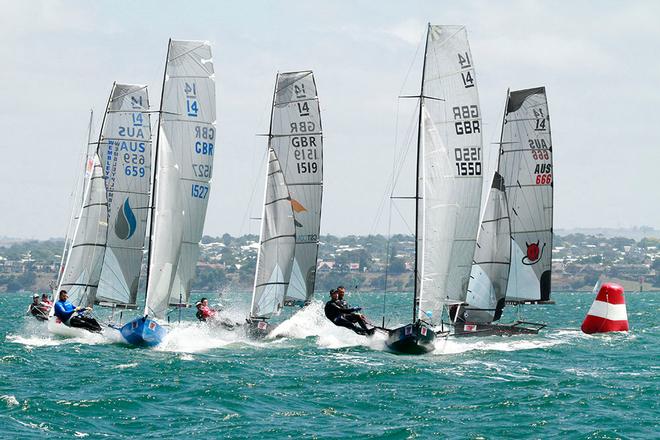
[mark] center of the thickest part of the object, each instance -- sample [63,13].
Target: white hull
[58,328]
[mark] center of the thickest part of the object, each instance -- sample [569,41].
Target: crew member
[45,304]
[35,310]
[204,312]
[344,316]
[341,291]
[69,314]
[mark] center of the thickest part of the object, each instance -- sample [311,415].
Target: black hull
[477,329]
[415,338]
[257,328]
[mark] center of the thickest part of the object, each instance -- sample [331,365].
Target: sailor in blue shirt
[68,314]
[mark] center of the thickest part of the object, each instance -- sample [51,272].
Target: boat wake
[35,334]
[506,343]
[195,337]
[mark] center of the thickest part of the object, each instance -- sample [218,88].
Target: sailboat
[102,264]
[513,259]
[185,146]
[448,186]
[289,239]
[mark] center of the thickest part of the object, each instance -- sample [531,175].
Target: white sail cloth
[187,143]
[125,152]
[296,138]
[526,166]
[277,244]
[450,171]
[492,257]
[82,269]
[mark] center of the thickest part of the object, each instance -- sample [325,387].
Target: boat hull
[415,338]
[477,329]
[59,328]
[257,328]
[143,332]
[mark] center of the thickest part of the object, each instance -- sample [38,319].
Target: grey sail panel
[296,138]
[277,244]
[183,174]
[125,153]
[451,175]
[527,169]
[82,269]
[492,257]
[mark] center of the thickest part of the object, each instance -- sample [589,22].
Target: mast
[153,185]
[263,210]
[417,195]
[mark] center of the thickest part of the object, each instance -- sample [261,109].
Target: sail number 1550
[468,161]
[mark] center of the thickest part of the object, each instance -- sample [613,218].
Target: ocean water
[319,381]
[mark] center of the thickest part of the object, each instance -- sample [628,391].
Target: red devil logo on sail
[534,253]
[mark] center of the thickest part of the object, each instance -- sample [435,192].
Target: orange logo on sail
[297,206]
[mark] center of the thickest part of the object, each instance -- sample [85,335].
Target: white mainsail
[296,138]
[492,257]
[124,149]
[184,165]
[277,244]
[450,171]
[82,269]
[526,166]
[77,197]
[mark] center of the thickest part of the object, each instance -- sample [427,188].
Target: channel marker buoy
[608,312]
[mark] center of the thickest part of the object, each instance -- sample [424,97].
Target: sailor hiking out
[342,315]
[73,316]
[38,309]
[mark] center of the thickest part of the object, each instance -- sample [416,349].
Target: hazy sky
[598,60]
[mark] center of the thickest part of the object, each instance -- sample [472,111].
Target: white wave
[125,366]
[193,337]
[310,321]
[10,400]
[48,341]
[503,343]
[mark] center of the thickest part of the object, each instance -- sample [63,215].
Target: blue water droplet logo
[125,224]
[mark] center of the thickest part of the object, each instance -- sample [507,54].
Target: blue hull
[143,332]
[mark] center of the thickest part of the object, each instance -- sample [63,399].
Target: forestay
[526,166]
[125,152]
[82,269]
[277,244]
[296,138]
[186,145]
[451,170]
[492,255]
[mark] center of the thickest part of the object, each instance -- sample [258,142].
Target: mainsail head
[450,171]
[526,166]
[185,150]
[296,139]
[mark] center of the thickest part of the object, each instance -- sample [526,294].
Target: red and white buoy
[608,312]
